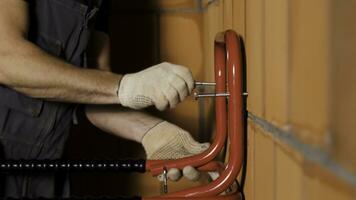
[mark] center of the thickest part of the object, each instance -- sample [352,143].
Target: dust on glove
[163,85]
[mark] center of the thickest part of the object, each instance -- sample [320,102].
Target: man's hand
[163,85]
[167,141]
[160,139]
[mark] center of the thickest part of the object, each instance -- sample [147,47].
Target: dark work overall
[37,129]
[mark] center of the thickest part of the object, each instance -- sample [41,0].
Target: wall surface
[301,73]
[300,78]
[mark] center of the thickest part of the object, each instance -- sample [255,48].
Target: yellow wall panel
[176,3]
[250,176]
[309,45]
[228,14]
[239,16]
[255,55]
[343,83]
[264,176]
[317,189]
[186,48]
[177,45]
[276,61]
[213,24]
[300,63]
[289,177]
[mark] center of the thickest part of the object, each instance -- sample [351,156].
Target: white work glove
[168,141]
[163,85]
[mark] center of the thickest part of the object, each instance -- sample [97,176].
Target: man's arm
[160,139]
[27,69]
[122,122]
[126,123]
[116,120]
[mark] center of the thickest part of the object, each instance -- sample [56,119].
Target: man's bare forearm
[122,122]
[28,69]
[119,121]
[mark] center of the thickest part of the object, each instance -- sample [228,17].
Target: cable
[58,165]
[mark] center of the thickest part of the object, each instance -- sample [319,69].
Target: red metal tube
[213,166]
[156,166]
[235,88]
[234,196]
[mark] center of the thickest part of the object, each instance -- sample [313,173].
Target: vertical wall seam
[253,165]
[263,47]
[329,139]
[200,5]
[289,83]
[245,21]
[289,64]
[223,13]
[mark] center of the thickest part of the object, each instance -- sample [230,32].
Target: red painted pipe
[156,166]
[233,196]
[213,166]
[235,122]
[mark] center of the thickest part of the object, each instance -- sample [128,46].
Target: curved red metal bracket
[228,60]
